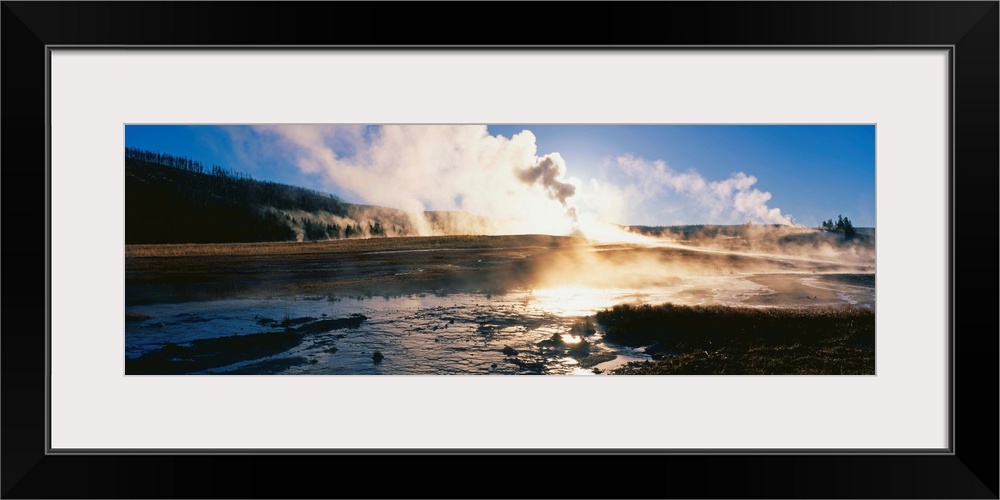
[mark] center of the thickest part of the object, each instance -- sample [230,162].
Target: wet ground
[532,331]
[455,334]
[436,305]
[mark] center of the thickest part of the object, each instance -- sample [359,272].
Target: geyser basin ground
[441,305]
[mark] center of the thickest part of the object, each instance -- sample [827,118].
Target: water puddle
[541,331]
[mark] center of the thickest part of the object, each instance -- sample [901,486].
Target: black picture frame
[969,28]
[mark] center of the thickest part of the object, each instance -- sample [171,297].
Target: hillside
[176,200]
[764,237]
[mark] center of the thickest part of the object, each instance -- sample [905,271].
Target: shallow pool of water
[541,331]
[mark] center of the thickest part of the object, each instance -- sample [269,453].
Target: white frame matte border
[95,92]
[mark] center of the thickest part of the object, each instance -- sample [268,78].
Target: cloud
[732,200]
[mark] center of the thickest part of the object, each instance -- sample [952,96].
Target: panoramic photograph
[484,249]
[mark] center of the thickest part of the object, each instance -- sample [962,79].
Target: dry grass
[376,266]
[716,340]
[402,243]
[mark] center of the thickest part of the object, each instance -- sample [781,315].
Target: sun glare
[603,232]
[575,300]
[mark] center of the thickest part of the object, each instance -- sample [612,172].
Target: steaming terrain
[774,299]
[388,270]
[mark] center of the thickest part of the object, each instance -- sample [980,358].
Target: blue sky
[811,172]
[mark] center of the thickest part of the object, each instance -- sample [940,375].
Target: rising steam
[547,172]
[503,183]
[420,168]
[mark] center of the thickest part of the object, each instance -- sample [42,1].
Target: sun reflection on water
[575,300]
[570,339]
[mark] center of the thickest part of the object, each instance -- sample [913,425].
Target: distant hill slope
[169,205]
[174,200]
[764,237]
[171,199]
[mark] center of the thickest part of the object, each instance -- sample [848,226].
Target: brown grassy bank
[716,340]
[401,243]
[404,265]
[376,266]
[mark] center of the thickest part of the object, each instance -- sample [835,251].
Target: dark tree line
[168,205]
[843,225]
[240,187]
[313,230]
[172,199]
[168,160]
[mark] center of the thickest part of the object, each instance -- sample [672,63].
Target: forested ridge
[174,199]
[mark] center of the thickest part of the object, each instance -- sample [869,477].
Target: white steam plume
[439,167]
[462,168]
[547,171]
